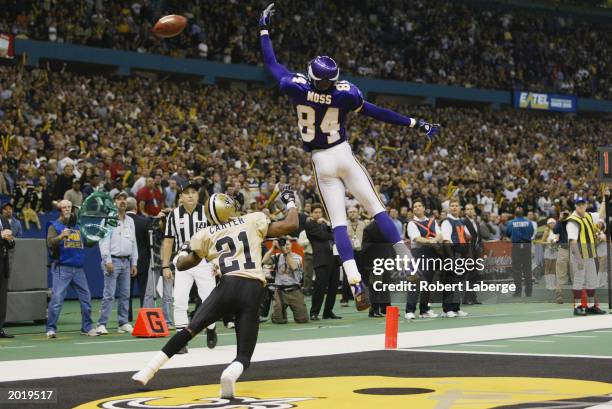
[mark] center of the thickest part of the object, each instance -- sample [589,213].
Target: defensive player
[322,104]
[233,245]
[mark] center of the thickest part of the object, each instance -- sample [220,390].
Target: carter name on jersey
[233,222]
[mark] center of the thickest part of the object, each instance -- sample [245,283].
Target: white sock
[158,361]
[233,371]
[228,379]
[212,326]
[351,271]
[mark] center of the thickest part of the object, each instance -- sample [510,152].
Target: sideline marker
[391,327]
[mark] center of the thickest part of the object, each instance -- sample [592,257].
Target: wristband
[290,205]
[264,33]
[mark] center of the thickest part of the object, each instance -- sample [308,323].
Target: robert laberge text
[503,288]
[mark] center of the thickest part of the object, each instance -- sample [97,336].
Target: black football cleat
[360,293]
[580,311]
[211,338]
[595,311]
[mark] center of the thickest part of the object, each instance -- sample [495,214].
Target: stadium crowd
[65,136]
[479,47]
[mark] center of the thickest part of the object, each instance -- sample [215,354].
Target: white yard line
[265,351]
[483,345]
[575,336]
[531,340]
[454,351]
[22,346]
[555,310]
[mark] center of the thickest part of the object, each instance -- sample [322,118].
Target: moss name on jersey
[234,246]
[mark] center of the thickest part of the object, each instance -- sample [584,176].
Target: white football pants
[336,169]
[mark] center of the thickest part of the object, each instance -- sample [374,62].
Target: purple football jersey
[321,115]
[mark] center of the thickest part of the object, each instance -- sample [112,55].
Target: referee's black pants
[239,296]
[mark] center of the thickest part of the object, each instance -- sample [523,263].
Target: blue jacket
[520,229]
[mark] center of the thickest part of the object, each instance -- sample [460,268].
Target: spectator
[23,194]
[326,266]
[119,253]
[7,243]
[74,194]
[66,247]
[150,198]
[15,225]
[170,194]
[65,181]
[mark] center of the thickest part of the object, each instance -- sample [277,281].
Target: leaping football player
[233,244]
[322,103]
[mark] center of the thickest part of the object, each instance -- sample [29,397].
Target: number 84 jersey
[321,115]
[234,246]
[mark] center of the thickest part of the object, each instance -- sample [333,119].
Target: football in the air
[169,26]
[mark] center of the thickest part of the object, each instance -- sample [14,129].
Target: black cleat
[5,335]
[595,311]
[314,317]
[211,338]
[580,311]
[331,316]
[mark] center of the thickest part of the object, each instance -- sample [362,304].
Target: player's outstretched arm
[392,117]
[291,222]
[277,70]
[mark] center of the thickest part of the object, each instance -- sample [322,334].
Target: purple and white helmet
[323,72]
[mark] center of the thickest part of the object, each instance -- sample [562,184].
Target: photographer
[562,264]
[288,274]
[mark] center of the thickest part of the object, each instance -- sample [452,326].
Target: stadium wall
[126,62]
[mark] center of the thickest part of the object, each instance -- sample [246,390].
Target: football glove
[186,248]
[428,129]
[287,195]
[266,15]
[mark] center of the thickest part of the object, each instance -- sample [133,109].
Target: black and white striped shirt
[181,226]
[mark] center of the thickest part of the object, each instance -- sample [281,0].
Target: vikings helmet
[323,72]
[220,208]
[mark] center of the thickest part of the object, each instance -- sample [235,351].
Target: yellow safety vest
[586,236]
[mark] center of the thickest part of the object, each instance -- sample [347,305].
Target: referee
[182,223]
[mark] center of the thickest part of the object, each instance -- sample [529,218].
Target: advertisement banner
[7,48]
[498,256]
[544,102]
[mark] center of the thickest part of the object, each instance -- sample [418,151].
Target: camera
[282,241]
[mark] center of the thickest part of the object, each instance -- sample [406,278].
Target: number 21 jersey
[321,115]
[234,246]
